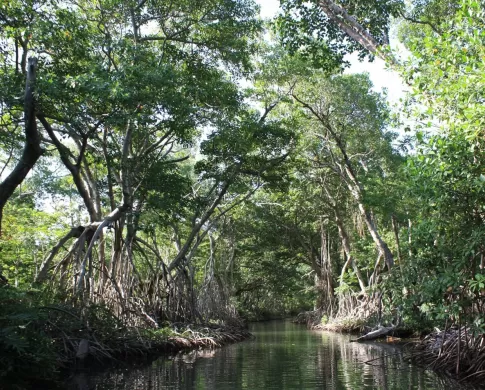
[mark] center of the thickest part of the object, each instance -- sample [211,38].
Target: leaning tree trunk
[32,149]
[395,228]
[379,242]
[346,171]
[46,264]
[350,26]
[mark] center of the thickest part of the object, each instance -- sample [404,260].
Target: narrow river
[281,355]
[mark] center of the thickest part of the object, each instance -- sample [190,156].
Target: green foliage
[446,70]
[449,231]
[440,279]
[24,344]
[239,200]
[269,278]
[305,28]
[25,239]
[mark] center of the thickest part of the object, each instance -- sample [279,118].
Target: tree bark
[356,190]
[375,334]
[32,147]
[410,239]
[346,171]
[195,230]
[346,246]
[395,228]
[349,25]
[380,243]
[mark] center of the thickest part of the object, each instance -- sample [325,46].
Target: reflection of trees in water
[283,359]
[374,365]
[178,372]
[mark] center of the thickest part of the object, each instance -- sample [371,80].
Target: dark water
[280,356]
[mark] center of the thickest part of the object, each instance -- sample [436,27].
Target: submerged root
[456,352]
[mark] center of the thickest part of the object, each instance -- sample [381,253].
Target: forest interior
[172,170]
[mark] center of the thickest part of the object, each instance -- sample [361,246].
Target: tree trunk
[184,250]
[375,334]
[32,149]
[395,228]
[410,239]
[75,169]
[380,243]
[324,278]
[350,26]
[346,246]
[346,171]
[357,192]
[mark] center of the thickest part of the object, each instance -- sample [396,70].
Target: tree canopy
[171,162]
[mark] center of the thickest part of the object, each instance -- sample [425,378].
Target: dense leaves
[193,171]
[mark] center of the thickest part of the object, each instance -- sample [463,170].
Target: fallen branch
[375,334]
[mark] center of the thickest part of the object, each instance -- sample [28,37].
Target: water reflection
[280,356]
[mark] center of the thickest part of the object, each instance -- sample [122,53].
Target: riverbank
[127,345]
[458,353]
[280,355]
[40,342]
[314,321]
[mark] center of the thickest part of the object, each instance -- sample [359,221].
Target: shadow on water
[281,355]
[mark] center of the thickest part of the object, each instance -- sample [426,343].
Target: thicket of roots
[38,338]
[350,313]
[143,292]
[455,351]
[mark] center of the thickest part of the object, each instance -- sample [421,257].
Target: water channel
[281,355]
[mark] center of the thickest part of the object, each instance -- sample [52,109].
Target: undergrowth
[39,337]
[25,346]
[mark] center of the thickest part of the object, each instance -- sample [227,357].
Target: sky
[268,7]
[379,75]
